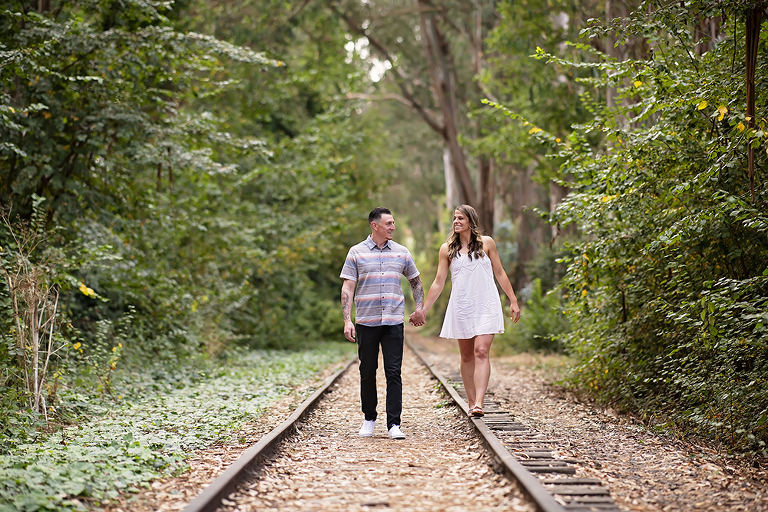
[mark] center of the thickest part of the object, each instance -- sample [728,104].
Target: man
[374,266]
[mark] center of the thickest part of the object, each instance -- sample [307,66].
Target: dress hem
[459,338]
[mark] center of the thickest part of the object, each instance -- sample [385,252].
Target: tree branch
[401,79]
[380,97]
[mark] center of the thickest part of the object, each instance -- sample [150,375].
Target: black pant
[391,339]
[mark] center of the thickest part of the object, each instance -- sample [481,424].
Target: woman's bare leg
[482,367]
[467,349]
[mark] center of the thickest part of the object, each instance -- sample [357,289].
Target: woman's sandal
[477,412]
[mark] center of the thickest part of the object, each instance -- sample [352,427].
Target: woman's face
[460,222]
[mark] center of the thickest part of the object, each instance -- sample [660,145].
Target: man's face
[384,226]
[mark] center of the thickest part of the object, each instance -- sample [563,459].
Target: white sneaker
[396,433]
[367,429]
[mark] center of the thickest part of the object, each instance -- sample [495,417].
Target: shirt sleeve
[410,271]
[349,271]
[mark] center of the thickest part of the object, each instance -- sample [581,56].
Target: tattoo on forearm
[346,306]
[418,291]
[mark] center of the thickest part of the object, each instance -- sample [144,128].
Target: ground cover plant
[156,416]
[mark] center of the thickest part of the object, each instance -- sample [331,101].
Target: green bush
[668,288]
[541,323]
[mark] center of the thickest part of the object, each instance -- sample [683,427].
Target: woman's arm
[489,246]
[439,283]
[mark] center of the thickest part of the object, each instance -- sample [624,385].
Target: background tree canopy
[182,178]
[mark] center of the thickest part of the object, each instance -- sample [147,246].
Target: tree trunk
[451,193]
[610,51]
[556,194]
[530,229]
[705,34]
[441,75]
[485,201]
[752,39]
[486,185]
[35,355]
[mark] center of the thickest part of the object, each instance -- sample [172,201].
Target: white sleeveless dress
[474,307]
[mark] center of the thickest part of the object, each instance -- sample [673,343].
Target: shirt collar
[372,244]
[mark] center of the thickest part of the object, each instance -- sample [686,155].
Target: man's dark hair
[377,212]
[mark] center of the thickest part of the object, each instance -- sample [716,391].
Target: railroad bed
[324,465]
[316,461]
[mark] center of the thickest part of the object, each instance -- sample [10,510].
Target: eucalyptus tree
[434,51]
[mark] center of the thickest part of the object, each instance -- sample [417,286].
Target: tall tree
[433,51]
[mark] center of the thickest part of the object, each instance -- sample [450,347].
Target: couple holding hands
[371,275]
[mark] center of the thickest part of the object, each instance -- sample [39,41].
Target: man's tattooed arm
[418,292]
[346,305]
[347,292]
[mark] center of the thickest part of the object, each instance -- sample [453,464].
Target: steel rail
[543,500]
[210,499]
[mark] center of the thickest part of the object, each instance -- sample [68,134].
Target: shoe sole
[366,435]
[397,438]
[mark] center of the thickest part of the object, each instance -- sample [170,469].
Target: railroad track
[526,457]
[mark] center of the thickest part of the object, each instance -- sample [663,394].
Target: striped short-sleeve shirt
[379,298]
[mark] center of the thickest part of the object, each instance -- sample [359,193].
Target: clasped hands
[417,318]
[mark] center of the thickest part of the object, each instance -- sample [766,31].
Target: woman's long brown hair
[475,236]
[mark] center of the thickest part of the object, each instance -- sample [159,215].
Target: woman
[474,311]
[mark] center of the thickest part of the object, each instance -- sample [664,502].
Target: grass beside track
[157,418]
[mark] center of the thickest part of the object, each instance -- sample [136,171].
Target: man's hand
[417,318]
[349,331]
[514,312]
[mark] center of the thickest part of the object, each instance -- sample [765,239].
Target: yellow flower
[723,110]
[534,130]
[557,140]
[638,83]
[76,346]
[740,127]
[702,105]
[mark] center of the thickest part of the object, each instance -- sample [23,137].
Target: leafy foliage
[669,286]
[539,327]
